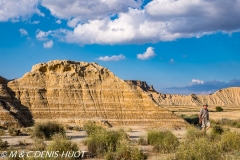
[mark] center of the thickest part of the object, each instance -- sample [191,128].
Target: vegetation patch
[63,145]
[219,109]
[162,141]
[14,131]
[192,119]
[47,130]
[2,132]
[110,144]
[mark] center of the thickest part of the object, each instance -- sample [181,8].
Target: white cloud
[35,22]
[147,55]
[112,58]
[15,9]
[171,60]
[197,81]
[40,13]
[48,44]
[73,22]
[23,32]
[58,21]
[41,35]
[160,20]
[86,10]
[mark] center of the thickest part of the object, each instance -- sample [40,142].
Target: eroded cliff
[226,96]
[74,92]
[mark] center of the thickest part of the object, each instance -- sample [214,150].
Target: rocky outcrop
[74,92]
[11,110]
[226,96]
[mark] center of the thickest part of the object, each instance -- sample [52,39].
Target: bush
[230,141]
[38,144]
[124,151]
[2,132]
[199,149]
[162,141]
[219,109]
[194,133]
[229,122]
[48,129]
[193,119]
[91,127]
[103,141]
[13,131]
[142,141]
[217,130]
[62,144]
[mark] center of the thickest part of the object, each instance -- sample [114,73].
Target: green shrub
[102,141]
[142,141]
[91,127]
[229,122]
[162,141]
[124,151]
[38,144]
[47,129]
[192,119]
[198,149]
[13,131]
[219,109]
[62,144]
[230,141]
[2,132]
[194,133]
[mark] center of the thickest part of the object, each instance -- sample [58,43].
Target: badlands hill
[226,96]
[74,92]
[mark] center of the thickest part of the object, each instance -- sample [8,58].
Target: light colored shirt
[204,114]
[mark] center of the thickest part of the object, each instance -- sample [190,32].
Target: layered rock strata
[12,113]
[226,96]
[75,92]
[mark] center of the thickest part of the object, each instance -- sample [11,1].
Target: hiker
[204,118]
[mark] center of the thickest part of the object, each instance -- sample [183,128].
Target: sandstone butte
[75,92]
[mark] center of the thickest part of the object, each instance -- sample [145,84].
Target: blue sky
[184,46]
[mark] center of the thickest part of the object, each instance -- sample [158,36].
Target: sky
[178,46]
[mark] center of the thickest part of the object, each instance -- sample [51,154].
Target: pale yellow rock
[75,92]
[226,96]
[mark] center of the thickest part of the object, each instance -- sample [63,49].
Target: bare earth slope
[74,92]
[11,110]
[227,96]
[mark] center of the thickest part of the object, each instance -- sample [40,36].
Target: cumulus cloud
[35,22]
[147,55]
[40,13]
[73,22]
[48,44]
[197,81]
[23,32]
[112,58]
[16,9]
[87,10]
[41,35]
[160,20]
[58,21]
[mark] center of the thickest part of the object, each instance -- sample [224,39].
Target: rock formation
[226,96]
[74,92]
[12,113]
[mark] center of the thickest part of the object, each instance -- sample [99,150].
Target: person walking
[204,118]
